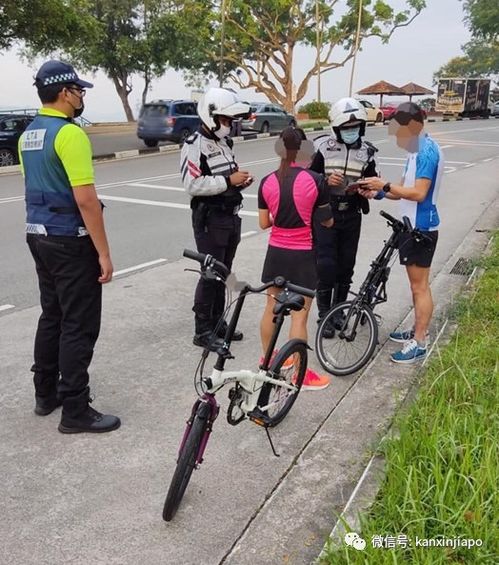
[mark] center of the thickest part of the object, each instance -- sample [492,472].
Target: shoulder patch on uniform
[370,147]
[192,138]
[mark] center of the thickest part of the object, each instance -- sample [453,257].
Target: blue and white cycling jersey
[427,163]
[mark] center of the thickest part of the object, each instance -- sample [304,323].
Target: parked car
[167,120]
[494,109]
[266,117]
[374,114]
[388,111]
[11,128]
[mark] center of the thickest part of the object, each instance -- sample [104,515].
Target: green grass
[442,473]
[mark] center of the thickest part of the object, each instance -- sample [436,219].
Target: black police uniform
[336,247]
[206,165]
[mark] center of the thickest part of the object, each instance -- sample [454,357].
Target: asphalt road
[85,499]
[147,214]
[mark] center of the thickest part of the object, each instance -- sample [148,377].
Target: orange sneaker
[286,365]
[314,381]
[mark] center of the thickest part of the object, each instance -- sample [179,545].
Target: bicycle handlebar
[209,262]
[206,261]
[404,225]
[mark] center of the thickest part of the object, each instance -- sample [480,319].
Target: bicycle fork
[205,407]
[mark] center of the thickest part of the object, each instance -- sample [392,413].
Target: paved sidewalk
[98,499]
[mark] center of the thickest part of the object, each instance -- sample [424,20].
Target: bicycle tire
[295,374]
[361,318]
[186,463]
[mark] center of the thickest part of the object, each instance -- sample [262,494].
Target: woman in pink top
[287,201]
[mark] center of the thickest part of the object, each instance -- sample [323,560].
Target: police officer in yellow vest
[344,157]
[67,239]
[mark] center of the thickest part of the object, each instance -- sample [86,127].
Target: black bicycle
[264,397]
[347,336]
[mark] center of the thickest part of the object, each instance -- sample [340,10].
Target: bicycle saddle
[288,301]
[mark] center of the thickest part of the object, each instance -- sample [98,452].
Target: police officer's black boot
[324,305]
[222,328]
[46,399]
[340,295]
[204,336]
[79,417]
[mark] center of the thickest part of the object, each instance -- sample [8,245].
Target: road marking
[248,233]
[141,266]
[170,188]
[474,143]
[11,199]
[6,307]
[487,160]
[444,132]
[446,146]
[162,204]
[468,166]
[405,159]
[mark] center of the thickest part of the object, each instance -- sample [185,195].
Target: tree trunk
[123,93]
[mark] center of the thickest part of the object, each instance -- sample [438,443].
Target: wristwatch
[387,187]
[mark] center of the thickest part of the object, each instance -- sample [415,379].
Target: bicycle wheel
[186,463]
[353,342]
[289,365]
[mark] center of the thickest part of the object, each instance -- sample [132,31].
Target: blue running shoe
[410,353]
[403,336]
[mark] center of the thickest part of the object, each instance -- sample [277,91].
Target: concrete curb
[134,153]
[371,480]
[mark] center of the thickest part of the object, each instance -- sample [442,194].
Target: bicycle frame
[246,378]
[373,290]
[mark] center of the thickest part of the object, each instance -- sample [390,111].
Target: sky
[413,54]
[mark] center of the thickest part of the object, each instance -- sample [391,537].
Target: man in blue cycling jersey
[418,193]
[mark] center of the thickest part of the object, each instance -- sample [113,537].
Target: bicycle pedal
[259,417]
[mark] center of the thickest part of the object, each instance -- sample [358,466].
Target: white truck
[464,97]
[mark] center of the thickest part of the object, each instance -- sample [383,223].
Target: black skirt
[296,266]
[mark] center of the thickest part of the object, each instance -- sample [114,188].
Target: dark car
[11,128]
[167,120]
[266,117]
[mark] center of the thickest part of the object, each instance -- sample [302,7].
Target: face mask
[350,136]
[79,111]
[222,131]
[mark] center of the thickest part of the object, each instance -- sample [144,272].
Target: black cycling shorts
[419,253]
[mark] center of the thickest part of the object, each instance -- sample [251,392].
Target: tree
[41,25]
[261,37]
[481,54]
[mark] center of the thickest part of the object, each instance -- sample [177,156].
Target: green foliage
[40,24]
[316,110]
[441,470]
[261,36]
[481,54]
[482,17]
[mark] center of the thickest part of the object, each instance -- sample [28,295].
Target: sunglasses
[78,91]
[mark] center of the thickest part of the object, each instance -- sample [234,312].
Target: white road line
[462,142]
[405,159]
[11,199]
[468,166]
[158,186]
[248,233]
[170,188]
[487,160]
[6,307]
[162,204]
[137,267]
[444,132]
[446,146]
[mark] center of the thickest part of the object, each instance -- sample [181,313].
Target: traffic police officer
[67,239]
[214,182]
[344,157]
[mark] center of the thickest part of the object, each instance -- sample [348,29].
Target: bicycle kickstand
[270,441]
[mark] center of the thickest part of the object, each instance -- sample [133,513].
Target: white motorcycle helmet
[347,111]
[220,102]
